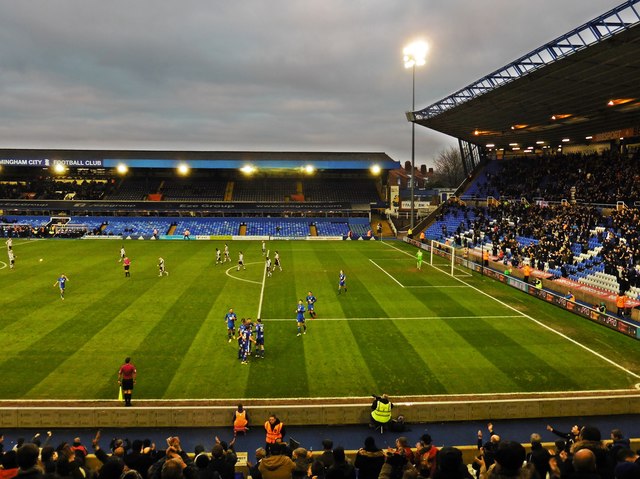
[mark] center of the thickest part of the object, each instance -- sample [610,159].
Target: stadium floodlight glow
[183,169]
[566,140]
[248,169]
[490,145]
[516,148]
[122,168]
[59,168]
[309,169]
[513,144]
[415,54]
[588,137]
[375,169]
[539,142]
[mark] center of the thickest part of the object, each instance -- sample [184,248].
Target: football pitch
[397,330]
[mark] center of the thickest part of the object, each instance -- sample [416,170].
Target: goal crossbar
[443,256]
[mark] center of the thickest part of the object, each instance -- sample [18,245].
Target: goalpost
[443,257]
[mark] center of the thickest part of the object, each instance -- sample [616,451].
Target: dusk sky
[253,75]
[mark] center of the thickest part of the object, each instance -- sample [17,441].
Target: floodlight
[59,168]
[309,169]
[122,168]
[375,169]
[415,54]
[183,169]
[248,169]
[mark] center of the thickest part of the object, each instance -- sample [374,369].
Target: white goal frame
[447,256]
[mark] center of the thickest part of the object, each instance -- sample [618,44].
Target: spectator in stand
[539,456]
[342,468]
[326,458]
[425,457]
[569,437]
[276,465]
[450,465]
[254,469]
[69,465]
[302,459]
[618,443]
[27,460]
[509,460]
[584,465]
[139,458]
[9,464]
[369,460]
[219,463]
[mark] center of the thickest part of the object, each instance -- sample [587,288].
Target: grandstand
[570,212]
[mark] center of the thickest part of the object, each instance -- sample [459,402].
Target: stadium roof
[583,84]
[197,159]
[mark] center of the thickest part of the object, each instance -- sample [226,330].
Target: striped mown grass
[397,329]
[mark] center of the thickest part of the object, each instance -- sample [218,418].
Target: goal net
[444,257]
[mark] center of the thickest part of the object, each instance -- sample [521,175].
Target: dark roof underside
[579,85]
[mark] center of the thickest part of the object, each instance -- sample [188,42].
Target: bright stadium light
[248,169]
[122,169]
[59,168]
[375,169]
[309,169]
[183,169]
[415,55]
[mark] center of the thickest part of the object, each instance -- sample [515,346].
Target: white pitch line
[402,318]
[539,323]
[436,286]
[264,277]
[4,265]
[242,279]
[28,242]
[381,269]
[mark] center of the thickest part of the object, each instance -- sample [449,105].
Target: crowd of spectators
[594,178]
[560,231]
[578,454]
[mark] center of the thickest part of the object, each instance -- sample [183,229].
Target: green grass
[397,330]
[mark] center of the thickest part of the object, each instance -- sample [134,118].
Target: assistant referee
[126,380]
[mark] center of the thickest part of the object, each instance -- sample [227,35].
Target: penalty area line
[382,269]
[538,322]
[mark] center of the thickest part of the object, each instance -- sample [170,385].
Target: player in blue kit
[342,282]
[259,339]
[245,342]
[311,301]
[230,319]
[61,283]
[300,318]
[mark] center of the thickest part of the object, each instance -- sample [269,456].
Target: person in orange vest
[240,420]
[422,237]
[621,303]
[275,432]
[526,271]
[485,258]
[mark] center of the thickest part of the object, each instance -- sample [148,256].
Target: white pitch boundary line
[539,323]
[4,265]
[264,277]
[436,286]
[402,318]
[388,274]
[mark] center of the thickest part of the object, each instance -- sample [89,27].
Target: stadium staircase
[172,229]
[228,193]
[242,231]
[313,230]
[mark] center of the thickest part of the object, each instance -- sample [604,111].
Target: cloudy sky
[276,75]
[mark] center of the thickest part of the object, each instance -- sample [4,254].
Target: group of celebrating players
[246,332]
